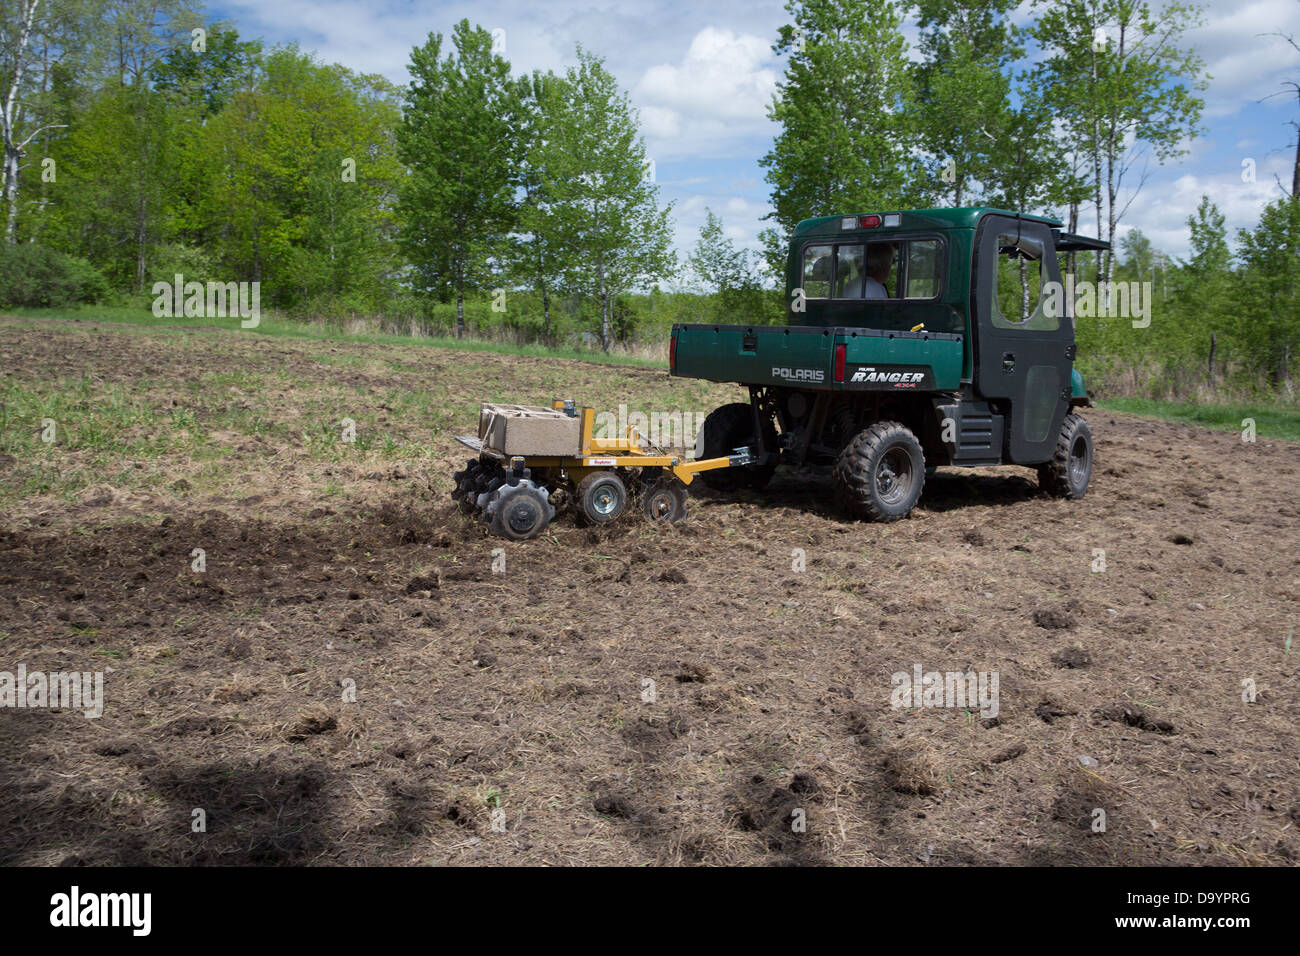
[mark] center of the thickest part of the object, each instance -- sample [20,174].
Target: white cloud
[1244,61]
[716,94]
[660,123]
[722,76]
[1161,212]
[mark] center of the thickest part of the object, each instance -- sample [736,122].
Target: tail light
[672,355]
[870,222]
[839,362]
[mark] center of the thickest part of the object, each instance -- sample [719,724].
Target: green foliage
[731,277]
[600,209]
[533,253]
[210,78]
[1117,76]
[34,275]
[847,134]
[1270,310]
[297,177]
[457,143]
[962,92]
[1216,331]
[117,171]
[193,262]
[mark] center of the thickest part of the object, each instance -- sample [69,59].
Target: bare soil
[334,572]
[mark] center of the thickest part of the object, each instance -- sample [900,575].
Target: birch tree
[602,205]
[456,207]
[848,134]
[18,26]
[1116,70]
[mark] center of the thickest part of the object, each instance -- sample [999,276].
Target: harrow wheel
[467,488]
[489,480]
[519,511]
[665,500]
[601,497]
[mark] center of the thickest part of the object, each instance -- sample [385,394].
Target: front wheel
[1068,473]
[880,473]
[601,497]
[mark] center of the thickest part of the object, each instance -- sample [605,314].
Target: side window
[849,272]
[923,269]
[816,272]
[1019,299]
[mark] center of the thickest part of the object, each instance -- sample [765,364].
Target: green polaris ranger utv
[913,339]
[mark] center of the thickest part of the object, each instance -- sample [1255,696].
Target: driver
[880,260]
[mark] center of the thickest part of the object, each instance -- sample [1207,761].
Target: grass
[1271,420]
[156,403]
[288,328]
[193,404]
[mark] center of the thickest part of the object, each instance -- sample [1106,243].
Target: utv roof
[965,217]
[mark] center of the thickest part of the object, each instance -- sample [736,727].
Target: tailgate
[807,356]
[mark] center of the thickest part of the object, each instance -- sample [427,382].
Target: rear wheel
[601,497]
[726,429]
[665,500]
[1068,473]
[880,473]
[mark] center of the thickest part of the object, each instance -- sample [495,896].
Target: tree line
[142,139]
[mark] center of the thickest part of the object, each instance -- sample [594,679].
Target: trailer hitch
[742,456]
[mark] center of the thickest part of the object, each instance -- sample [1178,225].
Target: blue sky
[701,76]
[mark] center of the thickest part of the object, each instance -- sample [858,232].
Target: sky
[701,76]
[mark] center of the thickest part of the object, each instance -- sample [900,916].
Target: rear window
[890,271]
[817,271]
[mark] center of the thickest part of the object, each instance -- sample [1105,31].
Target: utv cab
[913,339]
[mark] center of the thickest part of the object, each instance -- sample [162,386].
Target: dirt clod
[1010,753]
[611,805]
[1054,619]
[316,720]
[694,672]
[1135,716]
[911,767]
[1072,658]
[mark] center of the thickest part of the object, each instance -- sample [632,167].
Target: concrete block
[529,430]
